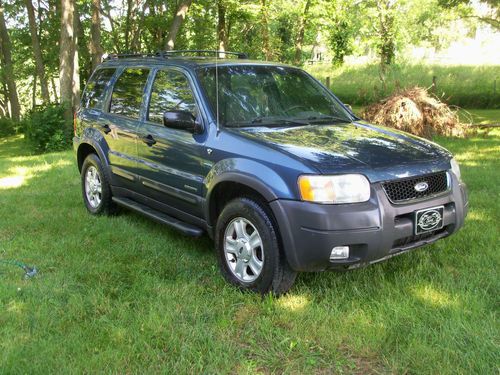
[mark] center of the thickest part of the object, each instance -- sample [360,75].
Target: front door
[172,162]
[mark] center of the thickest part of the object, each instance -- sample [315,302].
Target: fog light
[339,252]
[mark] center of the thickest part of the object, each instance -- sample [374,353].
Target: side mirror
[183,120]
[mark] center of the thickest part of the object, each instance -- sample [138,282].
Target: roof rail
[200,52]
[128,55]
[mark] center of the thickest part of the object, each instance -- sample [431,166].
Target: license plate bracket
[429,219]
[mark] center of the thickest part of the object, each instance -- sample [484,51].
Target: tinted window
[127,93]
[262,95]
[96,88]
[171,91]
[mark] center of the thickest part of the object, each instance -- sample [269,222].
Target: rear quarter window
[95,91]
[126,99]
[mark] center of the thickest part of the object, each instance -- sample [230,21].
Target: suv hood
[350,147]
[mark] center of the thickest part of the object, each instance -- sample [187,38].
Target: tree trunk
[15,108]
[180,15]
[96,50]
[300,34]
[37,52]
[135,44]
[75,97]
[128,25]
[265,31]
[33,93]
[386,34]
[54,89]
[66,56]
[221,27]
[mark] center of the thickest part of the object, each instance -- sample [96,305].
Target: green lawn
[462,85]
[127,295]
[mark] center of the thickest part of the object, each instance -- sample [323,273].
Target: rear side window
[127,93]
[95,91]
[171,92]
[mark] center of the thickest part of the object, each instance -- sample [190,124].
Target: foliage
[125,294]
[7,127]
[46,129]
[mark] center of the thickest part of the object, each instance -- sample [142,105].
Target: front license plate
[429,219]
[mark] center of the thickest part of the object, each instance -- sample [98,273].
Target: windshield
[258,95]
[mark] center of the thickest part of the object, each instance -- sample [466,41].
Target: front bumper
[374,231]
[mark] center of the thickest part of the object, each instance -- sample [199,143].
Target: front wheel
[96,189]
[248,248]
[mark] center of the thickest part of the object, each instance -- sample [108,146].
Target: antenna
[217,75]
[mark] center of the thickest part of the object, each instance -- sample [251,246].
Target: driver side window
[171,92]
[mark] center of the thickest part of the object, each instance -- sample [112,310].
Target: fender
[94,138]
[250,173]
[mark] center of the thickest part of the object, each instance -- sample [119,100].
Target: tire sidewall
[93,160]
[252,211]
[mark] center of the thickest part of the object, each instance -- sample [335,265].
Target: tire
[244,262]
[96,190]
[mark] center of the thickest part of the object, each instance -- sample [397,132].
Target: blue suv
[265,160]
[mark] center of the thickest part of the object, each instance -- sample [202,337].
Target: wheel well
[83,151]
[225,192]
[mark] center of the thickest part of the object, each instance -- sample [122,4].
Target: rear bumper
[374,231]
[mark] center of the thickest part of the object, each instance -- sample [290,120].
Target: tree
[37,52]
[221,26]
[492,17]
[8,70]
[300,34]
[266,48]
[96,50]
[386,32]
[68,58]
[179,17]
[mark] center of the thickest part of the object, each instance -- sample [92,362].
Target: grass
[126,295]
[462,85]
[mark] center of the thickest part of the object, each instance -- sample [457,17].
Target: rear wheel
[248,248]
[96,189]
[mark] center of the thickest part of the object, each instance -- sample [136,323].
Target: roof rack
[201,52]
[112,56]
[175,53]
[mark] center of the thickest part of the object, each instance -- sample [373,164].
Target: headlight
[347,188]
[455,168]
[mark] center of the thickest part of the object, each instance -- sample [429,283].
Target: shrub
[46,130]
[7,127]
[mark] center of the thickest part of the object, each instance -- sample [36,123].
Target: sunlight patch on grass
[293,302]
[19,175]
[16,307]
[12,182]
[434,297]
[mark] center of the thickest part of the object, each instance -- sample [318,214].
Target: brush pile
[416,111]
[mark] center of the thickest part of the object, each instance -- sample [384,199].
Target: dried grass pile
[416,111]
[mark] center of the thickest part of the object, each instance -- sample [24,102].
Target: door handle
[105,128]
[149,140]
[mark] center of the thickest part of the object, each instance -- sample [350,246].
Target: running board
[188,229]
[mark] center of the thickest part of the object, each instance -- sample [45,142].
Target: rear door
[173,164]
[121,123]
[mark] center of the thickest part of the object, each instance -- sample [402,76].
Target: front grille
[399,191]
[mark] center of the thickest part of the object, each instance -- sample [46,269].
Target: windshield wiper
[327,117]
[276,122]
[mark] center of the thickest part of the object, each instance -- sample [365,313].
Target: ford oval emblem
[429,220]
[421,186]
